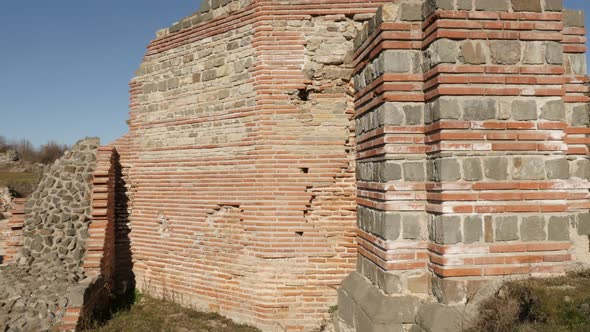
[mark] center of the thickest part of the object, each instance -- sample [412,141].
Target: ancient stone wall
[6,203]
[472,157]
[65,257]
[241,168]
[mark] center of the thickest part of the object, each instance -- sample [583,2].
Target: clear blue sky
[65,64]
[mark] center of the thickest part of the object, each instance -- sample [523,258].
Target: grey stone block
[554,53]
[448,291]
[528,168]
[346,308]
[205,6]
[573,18]
[414,171]
[534,53]
[411,227]
[413,114]
[436,317]
[557,169]
[479,109]
[577,64]
[472,229]
[581,169]
[444,108]
[553,110]
[526,6]
[583,223]
[396,62]
[472,169]
[447,229]
[391,172]
[523,110]
[473,53]
[445,4]
[579,116]
[448,169]
[464,4]
[558,229]
[391,115]
[411,12]
[364,323]
[496,168]
[553,5]
[389,282]
[505,52]
[506,228]
[391,226]
[533,229]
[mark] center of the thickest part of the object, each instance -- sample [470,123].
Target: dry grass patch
[21,183]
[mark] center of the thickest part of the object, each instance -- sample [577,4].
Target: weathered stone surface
[395,62]
[553,5]
[479,109]
[447,230]
[391,172]
[554,111]
[413,114]
[557,169]
[505,52]
[558,229]
[448,291]
[473,53]
[523,110]
[535,53]
[554,53]
[472,170]
[583,224]
[580,116]
[506,228]
[391,226]
[464,4]
[496,168]
[577,64]
[419,283]
[447,169]
[411,227]
[526,6]
[472,229]
[444,108]
[411,12]
[529,168]
[414,171]
[440,51]
[436,317]
[533,229]
[573,18]
[581,169]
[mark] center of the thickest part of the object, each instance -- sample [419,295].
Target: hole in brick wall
[303,94]
[304,170]
[299,233]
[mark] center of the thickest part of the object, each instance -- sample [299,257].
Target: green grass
[151,315]
[23,183]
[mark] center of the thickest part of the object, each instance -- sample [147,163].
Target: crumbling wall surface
[48,274]
[241,168]
[472,158]
[6,203]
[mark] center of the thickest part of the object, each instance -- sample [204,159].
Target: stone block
[506,228]
[557,169]
[554,53]
[448,291]
[436,317]
[553,5]
[411,226]
[523,110]
[527,6]
[447,169]
[479,109]
[395,61]
[533,229]
[411,12]
[391,172]
[447,229]
[388,12]
[553,110]
[528,168]
[413,114]
[391,226]
[534,53]
[579,116]
[414,171]
[364,323]
[577,64]
[581,169]
[558,229]
[472,170]
[346,308]
[583,223]
[444,108]
[573,18]
[505,52]
[419,284]
[389,282]
[464,4]
[445,4]
[443,51]
[472,229]
[496,168]
[473,53]
[391,115]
